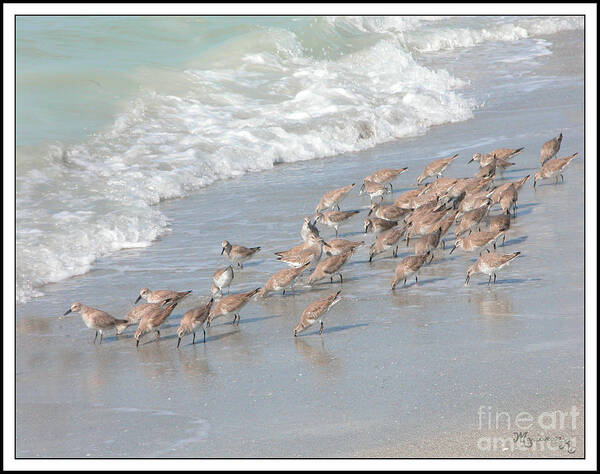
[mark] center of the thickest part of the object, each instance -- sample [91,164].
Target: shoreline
[388,365]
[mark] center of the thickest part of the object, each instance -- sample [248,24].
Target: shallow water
[390,366]
[115,115]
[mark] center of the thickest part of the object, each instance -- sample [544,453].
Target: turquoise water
[116,114]
[73,71]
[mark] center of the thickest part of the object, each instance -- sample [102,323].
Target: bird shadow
[333,329]
[509,281]
[515,241]
[421,283]
[254,320]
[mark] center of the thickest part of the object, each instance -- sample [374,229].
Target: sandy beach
[395,374]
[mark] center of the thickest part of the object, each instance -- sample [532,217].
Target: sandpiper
[238,254]
[553,169]
[487,171]
[373,189]
[391,213]
[193,320]
[497,192]
[470,219]
[428,243]
[339,246]
[230,304]
[153,320]
[489,264]
[405,200]
[550,149]
[386,240]
[385,176]
[308,228]
[500,224]
[222,278]
[161,296]
[282,279]
[333,198]
[434,168]
[376,224]
[473,201]
[477,240]
[330,266]
[407,267]
[97,319]
[313,245]
[314,312]
[135,314]
[334,218]
[508,200]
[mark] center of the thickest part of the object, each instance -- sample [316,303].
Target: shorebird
[391,213]
[333,198]
[428,243]
[439,187]
[221,279]
[314,312]
[161,296]
[553,169]
[434,168]
[489,264]
[497,192]
[470,219]
[339,246]
[386,240]
[298,256]
[308,228]
[550,149]
[408,267]
[153,320]
[376,224]
[282,279]
[503,154]
[405,200]
[334,218]
[385,176]
[193,320]
[487,171]
[238,254]
[330,266]
[373,189]
[231,304]
[500,224]
[97,319]
[477,240]
[473,201]
[313,243]
[135,314]
[508,200]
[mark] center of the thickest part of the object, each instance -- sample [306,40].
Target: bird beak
[222,250]
[467,280]
[470,160]
[68,311]
[453,249]
[137,342]
[138,298]
[178,342]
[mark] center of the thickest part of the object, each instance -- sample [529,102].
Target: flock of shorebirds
[423,214]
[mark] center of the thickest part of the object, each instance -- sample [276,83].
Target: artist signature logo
[529,441]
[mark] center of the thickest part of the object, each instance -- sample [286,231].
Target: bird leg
[157,335]
[321,329]
[494,278]
[204,331]
[95,337]
[194,338]
[101,335]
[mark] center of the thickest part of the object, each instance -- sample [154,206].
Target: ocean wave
[265,96]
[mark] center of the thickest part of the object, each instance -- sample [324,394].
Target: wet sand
[394,375]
